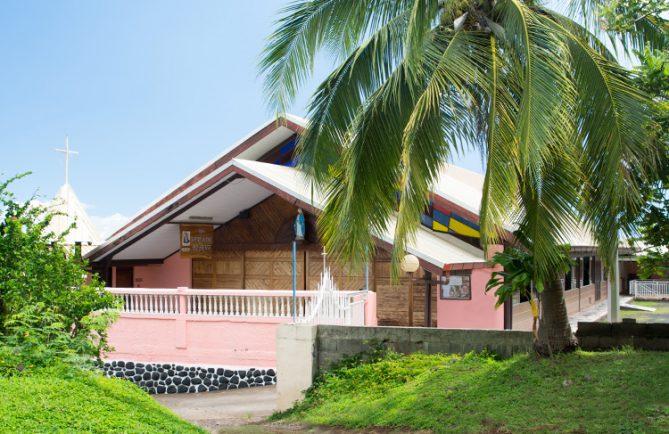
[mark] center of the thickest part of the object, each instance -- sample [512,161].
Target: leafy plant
[50,307]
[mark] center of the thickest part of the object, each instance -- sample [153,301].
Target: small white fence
[650,289]
[340,307]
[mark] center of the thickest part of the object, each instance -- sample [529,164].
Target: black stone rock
[130,365]
[220,371]
[267,378]
[149,383]
[263,372]
[206,382]
[137,378]
[192,369]
[139,369]
[258,380]
[139,365]
[223,380]
[146,376]
[179,368]
[186,381]
[271,372]
[175,380]
[268,382]
[202,375]
[192,389]
[106,364]
[170,372]
[152,390]
[166,366]
[130,373]
[183,374]
[163,375]
[243,384]
[113,364]
[155,376]
[215,382]
[182,389]
[256,373]
[212,370]
[234,379]
[171,389]
[232,386]
[149,367]
[228,373]
[242,373]
[161,389]
[196,380]
[201,388]
[119,374]
[191,374]
[210,375]
[167,381]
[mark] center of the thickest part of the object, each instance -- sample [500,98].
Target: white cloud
[107,225]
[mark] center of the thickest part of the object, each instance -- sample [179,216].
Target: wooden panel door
[272,269]
[224,271]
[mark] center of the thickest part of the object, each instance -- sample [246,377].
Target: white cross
[67,153]
[324,255]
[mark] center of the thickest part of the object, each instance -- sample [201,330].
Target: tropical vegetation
[563,129]
[51,310]
[608,392]
[62,400]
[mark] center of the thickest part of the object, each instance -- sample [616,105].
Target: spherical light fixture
[409,264]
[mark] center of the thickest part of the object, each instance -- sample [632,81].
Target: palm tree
[559,124]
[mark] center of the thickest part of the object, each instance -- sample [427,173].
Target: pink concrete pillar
[180,331]
[370,309]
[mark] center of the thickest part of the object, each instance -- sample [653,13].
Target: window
[586,271]
[456,286]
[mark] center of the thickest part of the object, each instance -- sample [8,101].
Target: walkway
[593,313]
[225,408]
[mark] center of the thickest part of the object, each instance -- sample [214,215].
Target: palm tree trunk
[555,334]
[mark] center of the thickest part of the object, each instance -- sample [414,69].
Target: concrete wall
[304,350]
[199,340]
[606,336]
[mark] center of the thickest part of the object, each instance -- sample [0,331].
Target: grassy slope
[583,392]
[83,402]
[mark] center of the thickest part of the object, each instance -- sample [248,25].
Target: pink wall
[371,319]
[194,340]
[477,313]
[173,273]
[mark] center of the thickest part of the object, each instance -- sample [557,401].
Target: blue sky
[148,91]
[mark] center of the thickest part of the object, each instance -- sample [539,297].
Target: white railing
[240,303]
[139,301]
[650,289]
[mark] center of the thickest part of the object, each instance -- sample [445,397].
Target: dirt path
[243,412]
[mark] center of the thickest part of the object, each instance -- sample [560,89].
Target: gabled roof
[254,146]
[239,184]
[69,210]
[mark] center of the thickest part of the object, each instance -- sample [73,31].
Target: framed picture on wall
[456,286]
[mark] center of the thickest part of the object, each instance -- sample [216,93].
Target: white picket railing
[348,309]
[157,301]
[335,307]
[650,289]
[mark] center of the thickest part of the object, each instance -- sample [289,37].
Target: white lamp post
[410,265]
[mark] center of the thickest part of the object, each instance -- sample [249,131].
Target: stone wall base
[159,378]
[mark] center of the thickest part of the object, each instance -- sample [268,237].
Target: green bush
[51,309]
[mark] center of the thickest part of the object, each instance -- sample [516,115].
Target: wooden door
[124,277]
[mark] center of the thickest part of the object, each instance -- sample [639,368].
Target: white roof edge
[293,118]
[162,207]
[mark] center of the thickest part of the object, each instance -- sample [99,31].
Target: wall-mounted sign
[456,287]
[196,241]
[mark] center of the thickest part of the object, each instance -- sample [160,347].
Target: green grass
[661,313]
[584,392]
[53,401]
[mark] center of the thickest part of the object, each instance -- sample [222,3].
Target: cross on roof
[67,153]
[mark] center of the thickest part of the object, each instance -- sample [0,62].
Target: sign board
[456,287]
[196,241]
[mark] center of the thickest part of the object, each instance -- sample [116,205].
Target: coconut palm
[558,122]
